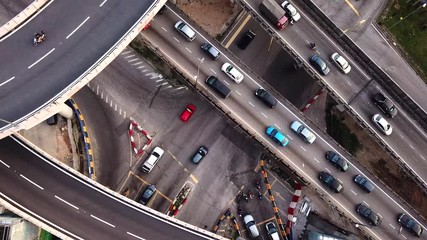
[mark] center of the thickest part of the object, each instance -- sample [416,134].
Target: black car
[410,224]
[386,106]
[337,161]
[368,214]
[364,183]
[147,194]
[246,40]
[200,154]
[210,50]
[331,182]
[319,64]
[266,97]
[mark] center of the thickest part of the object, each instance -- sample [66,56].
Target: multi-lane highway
[77,37]
[74,207]
[307,159]
[357,90]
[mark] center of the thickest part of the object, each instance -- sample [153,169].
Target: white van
[152,159]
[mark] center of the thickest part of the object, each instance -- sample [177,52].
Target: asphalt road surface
[76,38]
[307,159]
[82,211]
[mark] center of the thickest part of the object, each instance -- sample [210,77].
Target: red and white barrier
[293,205]
[137,151]
[312,101]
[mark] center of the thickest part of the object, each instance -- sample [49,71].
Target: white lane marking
[115,107]
[251,104]
[422,157]
[103,221]
[168,87]
[69,204]
[164,29]
[135,236]
[380,215]
[180,88]
[303,148]
[366,203]
[213,71]
[124,114]
[289,137]
[140,67]
[392,226]
[411,146]
[264,115]
[133,55]
[329,171]
[176,39]
[404,236]
[133,60]
[160,80]
[30,213]
[8,80]
[137,63]
[124,53]
[4,164]
[353,192]
[226,83]
[277,127]
[238,93]
[102,3]
[303,165]
[77,28]
[35,184]
[402,136]
[53,49]
[316,160]
[188,49]
[348,82]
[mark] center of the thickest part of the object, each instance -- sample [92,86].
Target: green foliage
[407,21]
[342,134]
[45,235]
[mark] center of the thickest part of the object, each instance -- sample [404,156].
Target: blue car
[319,64]
[277,136]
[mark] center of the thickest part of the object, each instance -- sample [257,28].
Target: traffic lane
[98,118]
[238,108]
[57,57]
[275,66]
[125,217]
[405,133]
[299,40]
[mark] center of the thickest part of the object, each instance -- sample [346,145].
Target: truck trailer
[271,10]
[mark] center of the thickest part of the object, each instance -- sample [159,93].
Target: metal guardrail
[339,34]
[98,66]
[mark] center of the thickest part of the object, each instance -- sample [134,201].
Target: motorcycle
[39,38]
[245,197]
[260,196]
[258,185]
[240,211]
[251,195]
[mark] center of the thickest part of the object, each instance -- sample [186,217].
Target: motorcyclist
[313,45]
[39,37]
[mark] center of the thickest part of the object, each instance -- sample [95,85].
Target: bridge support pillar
[66,111]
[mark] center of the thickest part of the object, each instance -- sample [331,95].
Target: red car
[185,116]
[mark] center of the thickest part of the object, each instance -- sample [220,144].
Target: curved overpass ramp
[82,38]
[74,208]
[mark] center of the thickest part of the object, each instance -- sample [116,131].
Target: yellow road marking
[359,23]
[147,183]
[195,180]
[352,7]
[237,31]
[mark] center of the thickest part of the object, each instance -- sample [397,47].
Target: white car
[291,11]
[341,63]
[272,231]
[382,124]
[303,132]
[251,226]
[232,72]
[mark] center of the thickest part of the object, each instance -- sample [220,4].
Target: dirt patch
[374,158]
[213,16]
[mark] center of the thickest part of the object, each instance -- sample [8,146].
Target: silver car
[303,132]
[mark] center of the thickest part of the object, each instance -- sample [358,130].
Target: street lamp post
[198,70]
[401,19]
